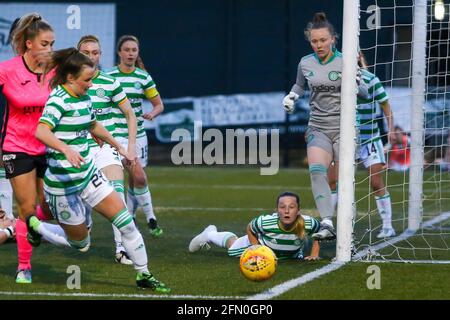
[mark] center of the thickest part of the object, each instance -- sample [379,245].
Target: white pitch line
[116,295]
[288,285]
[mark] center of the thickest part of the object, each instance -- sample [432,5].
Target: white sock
[144,199]
[53,233]
[131,199]
[6,196]
[118,186]
[334,199]
[385,209]
[118,239]
[132,240]
[220,238]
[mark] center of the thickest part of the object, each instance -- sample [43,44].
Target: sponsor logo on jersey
[323,88]
[25,82]
[33,109]
[82,134]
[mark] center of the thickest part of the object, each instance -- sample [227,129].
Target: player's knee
[140,181]
[81,245]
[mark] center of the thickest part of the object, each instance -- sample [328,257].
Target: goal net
[407,48]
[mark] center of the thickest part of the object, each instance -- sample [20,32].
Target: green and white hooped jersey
[70,119]
[367,109]
[134,85]
[106,94]
[2,173]
[284,244]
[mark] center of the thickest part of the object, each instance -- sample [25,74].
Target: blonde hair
[362,62]
[300,227]
[28,28]
[139,63]
[88,38]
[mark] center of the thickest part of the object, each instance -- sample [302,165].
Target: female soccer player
[72,181]
[322,70]
[283,231]
[7,226]
[26,92]
[107,94]
[371,152]
[138,85]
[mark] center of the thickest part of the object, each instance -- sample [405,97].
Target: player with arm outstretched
[72,181]
[322,70]
[107,95]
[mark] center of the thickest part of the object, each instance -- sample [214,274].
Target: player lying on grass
[284,231]
[7,227]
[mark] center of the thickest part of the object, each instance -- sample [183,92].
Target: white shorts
[141,149]
[105,156]
[372,153]
[71,209]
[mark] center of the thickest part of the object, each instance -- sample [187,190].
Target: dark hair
[88,38]
[122,40]
[27,28]
[66,61]
[289,194]
[319,21]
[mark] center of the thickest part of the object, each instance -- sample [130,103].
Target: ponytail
[66,61]
[319,21]
[27,28]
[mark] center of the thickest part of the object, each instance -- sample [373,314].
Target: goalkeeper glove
[289,101]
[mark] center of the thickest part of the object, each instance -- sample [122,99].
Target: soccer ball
[258,263]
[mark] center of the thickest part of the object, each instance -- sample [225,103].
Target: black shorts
[17,163]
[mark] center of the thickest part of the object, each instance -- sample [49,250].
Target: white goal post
[409,55]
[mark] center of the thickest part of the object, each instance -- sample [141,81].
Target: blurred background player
[399,151]
[72,181]
[284,231]
[26,92]
[322,70]
[371,152]
[138,85]
[7,226]
[107,94]
[6,193]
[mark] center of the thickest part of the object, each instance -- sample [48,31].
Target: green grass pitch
[187,199]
